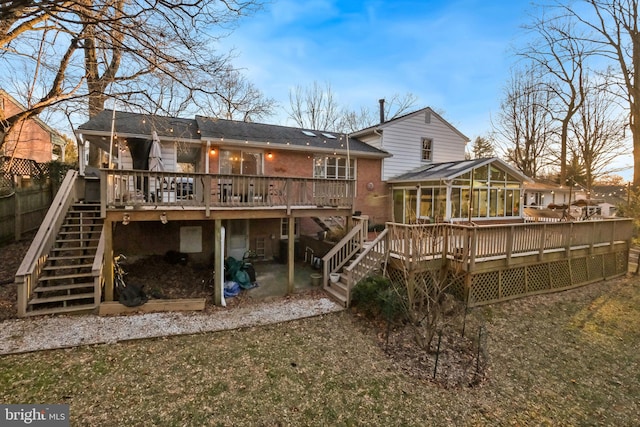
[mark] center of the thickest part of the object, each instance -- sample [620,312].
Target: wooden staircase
[330,223]
[351,260]
[66,283]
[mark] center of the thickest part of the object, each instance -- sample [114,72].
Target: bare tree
[597,131]
[614,30]
[236,98]
[561,59]
[426,289]
[316,107]
[524,127]
[91,50]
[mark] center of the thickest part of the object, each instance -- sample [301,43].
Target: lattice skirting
[505,284]
[509,283]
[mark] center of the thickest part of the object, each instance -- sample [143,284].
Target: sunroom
[463,191]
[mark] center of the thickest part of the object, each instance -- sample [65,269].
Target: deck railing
[469,244]
[150,188]
[414,242]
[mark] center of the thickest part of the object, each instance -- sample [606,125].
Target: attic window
[328,135]
[308,133]
[427,149]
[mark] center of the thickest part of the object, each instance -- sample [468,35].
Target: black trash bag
[132,296]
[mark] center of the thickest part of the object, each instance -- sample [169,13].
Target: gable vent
[427,117]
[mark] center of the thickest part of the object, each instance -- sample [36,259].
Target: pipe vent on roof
[381,101]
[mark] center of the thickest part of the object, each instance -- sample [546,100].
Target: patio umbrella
[155,154]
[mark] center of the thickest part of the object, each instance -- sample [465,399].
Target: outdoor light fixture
[125,219]
[213,151]
[163,218]
[269,155]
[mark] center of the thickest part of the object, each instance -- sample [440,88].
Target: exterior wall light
[126,219]
[269,155]
[163,218]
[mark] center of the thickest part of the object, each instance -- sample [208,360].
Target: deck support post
[290,254]
[217,263]
[108,260]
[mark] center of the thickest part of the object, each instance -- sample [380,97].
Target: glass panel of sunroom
[398,206]
[426,203]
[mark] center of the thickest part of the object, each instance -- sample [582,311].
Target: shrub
[376,296]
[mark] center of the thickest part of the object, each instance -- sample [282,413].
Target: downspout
[81,164]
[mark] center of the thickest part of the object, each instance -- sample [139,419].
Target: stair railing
[369,260]
[342,252]
[31,266]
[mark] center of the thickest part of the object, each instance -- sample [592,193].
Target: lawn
[564,359]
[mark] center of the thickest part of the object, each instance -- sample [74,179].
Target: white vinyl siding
[168,158]
[403,139]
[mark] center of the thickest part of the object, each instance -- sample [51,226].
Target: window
[333,168]
[427,149]
[239,162]
[284,228]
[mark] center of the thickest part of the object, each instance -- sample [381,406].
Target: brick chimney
[381,101]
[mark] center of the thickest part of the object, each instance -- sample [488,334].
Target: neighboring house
[31,138]
[542,194]
[606,198]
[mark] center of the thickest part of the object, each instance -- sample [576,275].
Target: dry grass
[563,359]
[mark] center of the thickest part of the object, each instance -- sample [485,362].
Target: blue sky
[453,55]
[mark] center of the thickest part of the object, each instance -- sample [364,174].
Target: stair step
[338,285]
[81,212]
[70,257]
[93,239]
[85,208]
[80,308]
[74,248]
[338,296]
[64,276]
[67,287]
[79,230]
[60,298]
[58,267]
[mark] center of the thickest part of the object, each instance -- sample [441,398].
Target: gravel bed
[46,333]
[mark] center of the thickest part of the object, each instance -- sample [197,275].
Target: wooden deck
[498,262]
[131,189]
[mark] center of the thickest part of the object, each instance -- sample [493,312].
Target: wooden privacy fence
[22,211]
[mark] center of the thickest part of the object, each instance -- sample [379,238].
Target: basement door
[237,238]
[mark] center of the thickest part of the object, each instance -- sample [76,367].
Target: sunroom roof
[450,170]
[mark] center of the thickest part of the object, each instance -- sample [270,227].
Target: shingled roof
[142,125]
[227,132]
